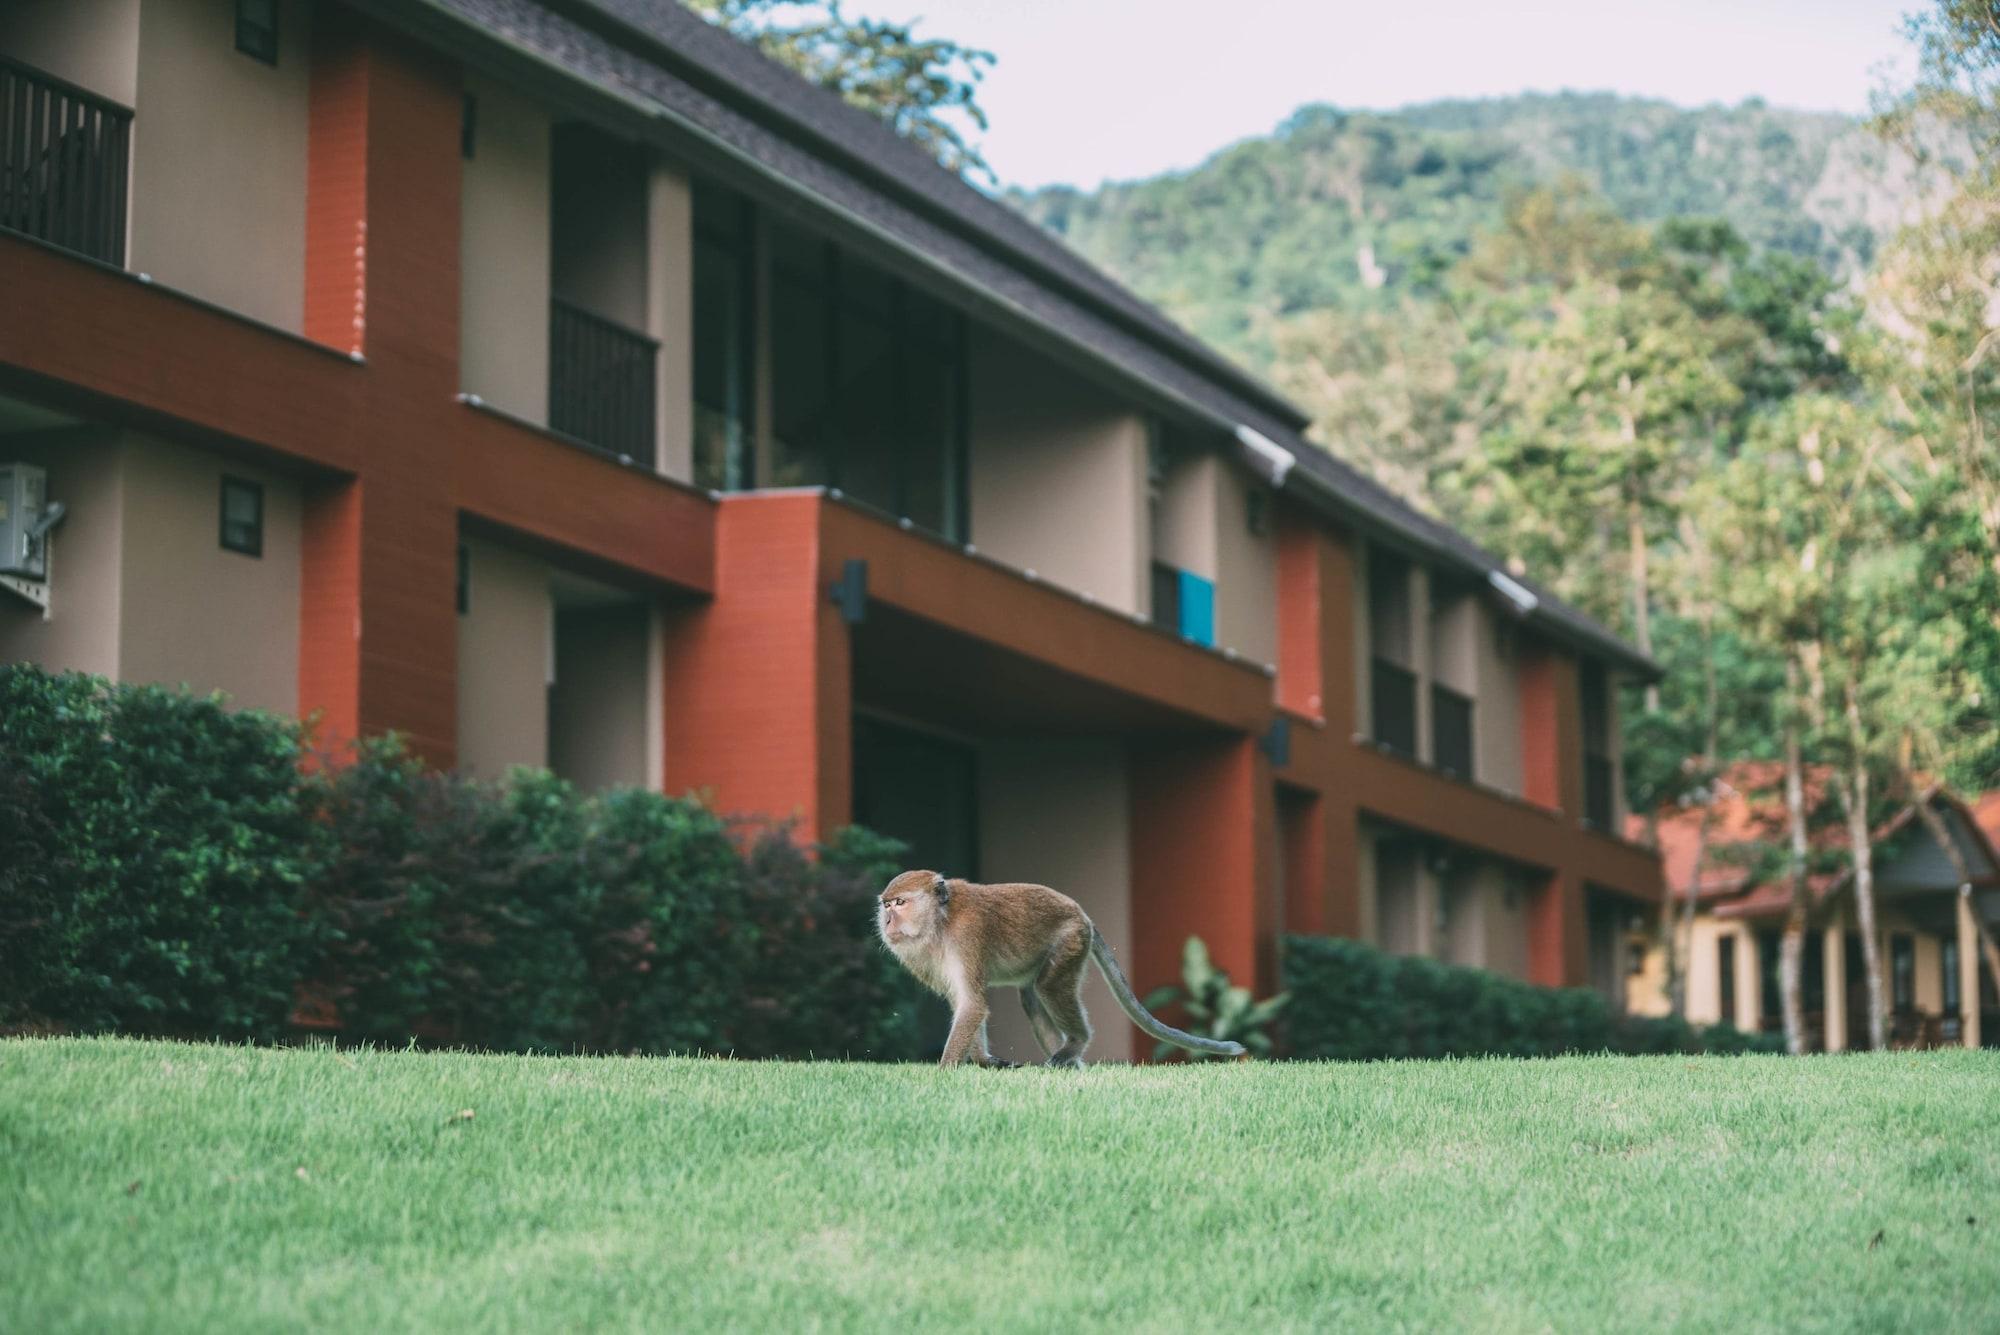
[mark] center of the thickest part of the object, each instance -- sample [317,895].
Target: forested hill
[1343,208]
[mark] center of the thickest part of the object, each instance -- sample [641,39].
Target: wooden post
[1833,968]
[1968,974]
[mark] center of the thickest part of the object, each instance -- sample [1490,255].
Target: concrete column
[1968,974]
[377,634]
[759,698]
[1833,966]
[670,315]
[1558,939]
[1200,846]
[1749,983]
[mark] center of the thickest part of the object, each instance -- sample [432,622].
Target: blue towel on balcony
[1197,608]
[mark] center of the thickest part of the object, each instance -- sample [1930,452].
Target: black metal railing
[1394,690]
[1451,731]
[1597,798]
[601,381]
[63,156]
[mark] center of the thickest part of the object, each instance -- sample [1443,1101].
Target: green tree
[926,88]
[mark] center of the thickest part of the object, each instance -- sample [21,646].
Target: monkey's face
[913,907]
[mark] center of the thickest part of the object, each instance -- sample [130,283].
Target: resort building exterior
[1937,989]
[561,383]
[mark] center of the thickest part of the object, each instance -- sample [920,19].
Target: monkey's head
[913,907]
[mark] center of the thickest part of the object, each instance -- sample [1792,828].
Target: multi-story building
[558,382]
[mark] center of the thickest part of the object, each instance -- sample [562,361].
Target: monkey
[959,937]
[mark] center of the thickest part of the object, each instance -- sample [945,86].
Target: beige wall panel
[1930,974]
[1506,923]
[1058,814]
[1183,527]
[86,473]
[1058,475]
[503,662]
[219,159]
[670,315]
[91,43]
[1497,721]
[597,707]
[193,612]
[504,237]
[1454,647]
[1246,581]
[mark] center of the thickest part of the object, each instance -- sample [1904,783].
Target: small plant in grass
[1216,1007]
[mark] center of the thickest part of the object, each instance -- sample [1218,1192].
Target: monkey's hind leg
[1059,988]
[1044,1029]
[982,1054]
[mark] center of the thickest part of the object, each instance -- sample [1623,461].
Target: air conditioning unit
[25,520]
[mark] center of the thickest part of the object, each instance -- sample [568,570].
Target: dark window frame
[255,37]
[1725,975]
[835,288]
[739,245]
[468,126]
[1902,971]
[254,545]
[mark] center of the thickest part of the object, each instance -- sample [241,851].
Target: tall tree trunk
[1642,618]
[1861,851]
[1791,956]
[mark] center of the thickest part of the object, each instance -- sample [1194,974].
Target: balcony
[601,381]
[1598,800]
[1451,732]
[1394,692]
[63,157]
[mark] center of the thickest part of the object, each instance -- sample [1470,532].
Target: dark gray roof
[664,63]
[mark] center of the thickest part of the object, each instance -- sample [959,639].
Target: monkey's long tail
[1127,1002]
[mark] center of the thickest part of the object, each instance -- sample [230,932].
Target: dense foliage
[171,868]
[1722,377]
[156,848]
[1352,1002]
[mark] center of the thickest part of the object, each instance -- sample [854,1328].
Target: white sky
[1088,90]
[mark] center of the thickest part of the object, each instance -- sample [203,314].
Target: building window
[242,516]
[1725,972]
[869,381]
[257,29]
[724,340]
[468,126]
[1948,965]
[1903,972]
[1600,774]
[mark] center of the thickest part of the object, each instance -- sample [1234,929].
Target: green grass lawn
[162,1186]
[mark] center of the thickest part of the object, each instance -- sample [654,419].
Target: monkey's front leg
[968,1015]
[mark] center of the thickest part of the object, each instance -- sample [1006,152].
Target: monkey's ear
[942,889]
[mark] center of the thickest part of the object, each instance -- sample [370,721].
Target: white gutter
[1519,595]
[1264,455]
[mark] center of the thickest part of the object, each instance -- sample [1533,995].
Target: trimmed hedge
[1352,1002]
[172,868]
[157,845]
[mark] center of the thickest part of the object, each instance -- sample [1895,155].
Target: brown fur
[961,937]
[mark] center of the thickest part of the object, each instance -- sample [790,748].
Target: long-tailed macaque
[959,938]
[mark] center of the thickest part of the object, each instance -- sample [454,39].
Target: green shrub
[1216,1008]
[1353,1002]
[667,936]
[820,983]
[167,844]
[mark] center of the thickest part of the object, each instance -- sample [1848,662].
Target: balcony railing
[1598,805]
[1394,688]
[63,155]
[1451,731]
[601,382]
